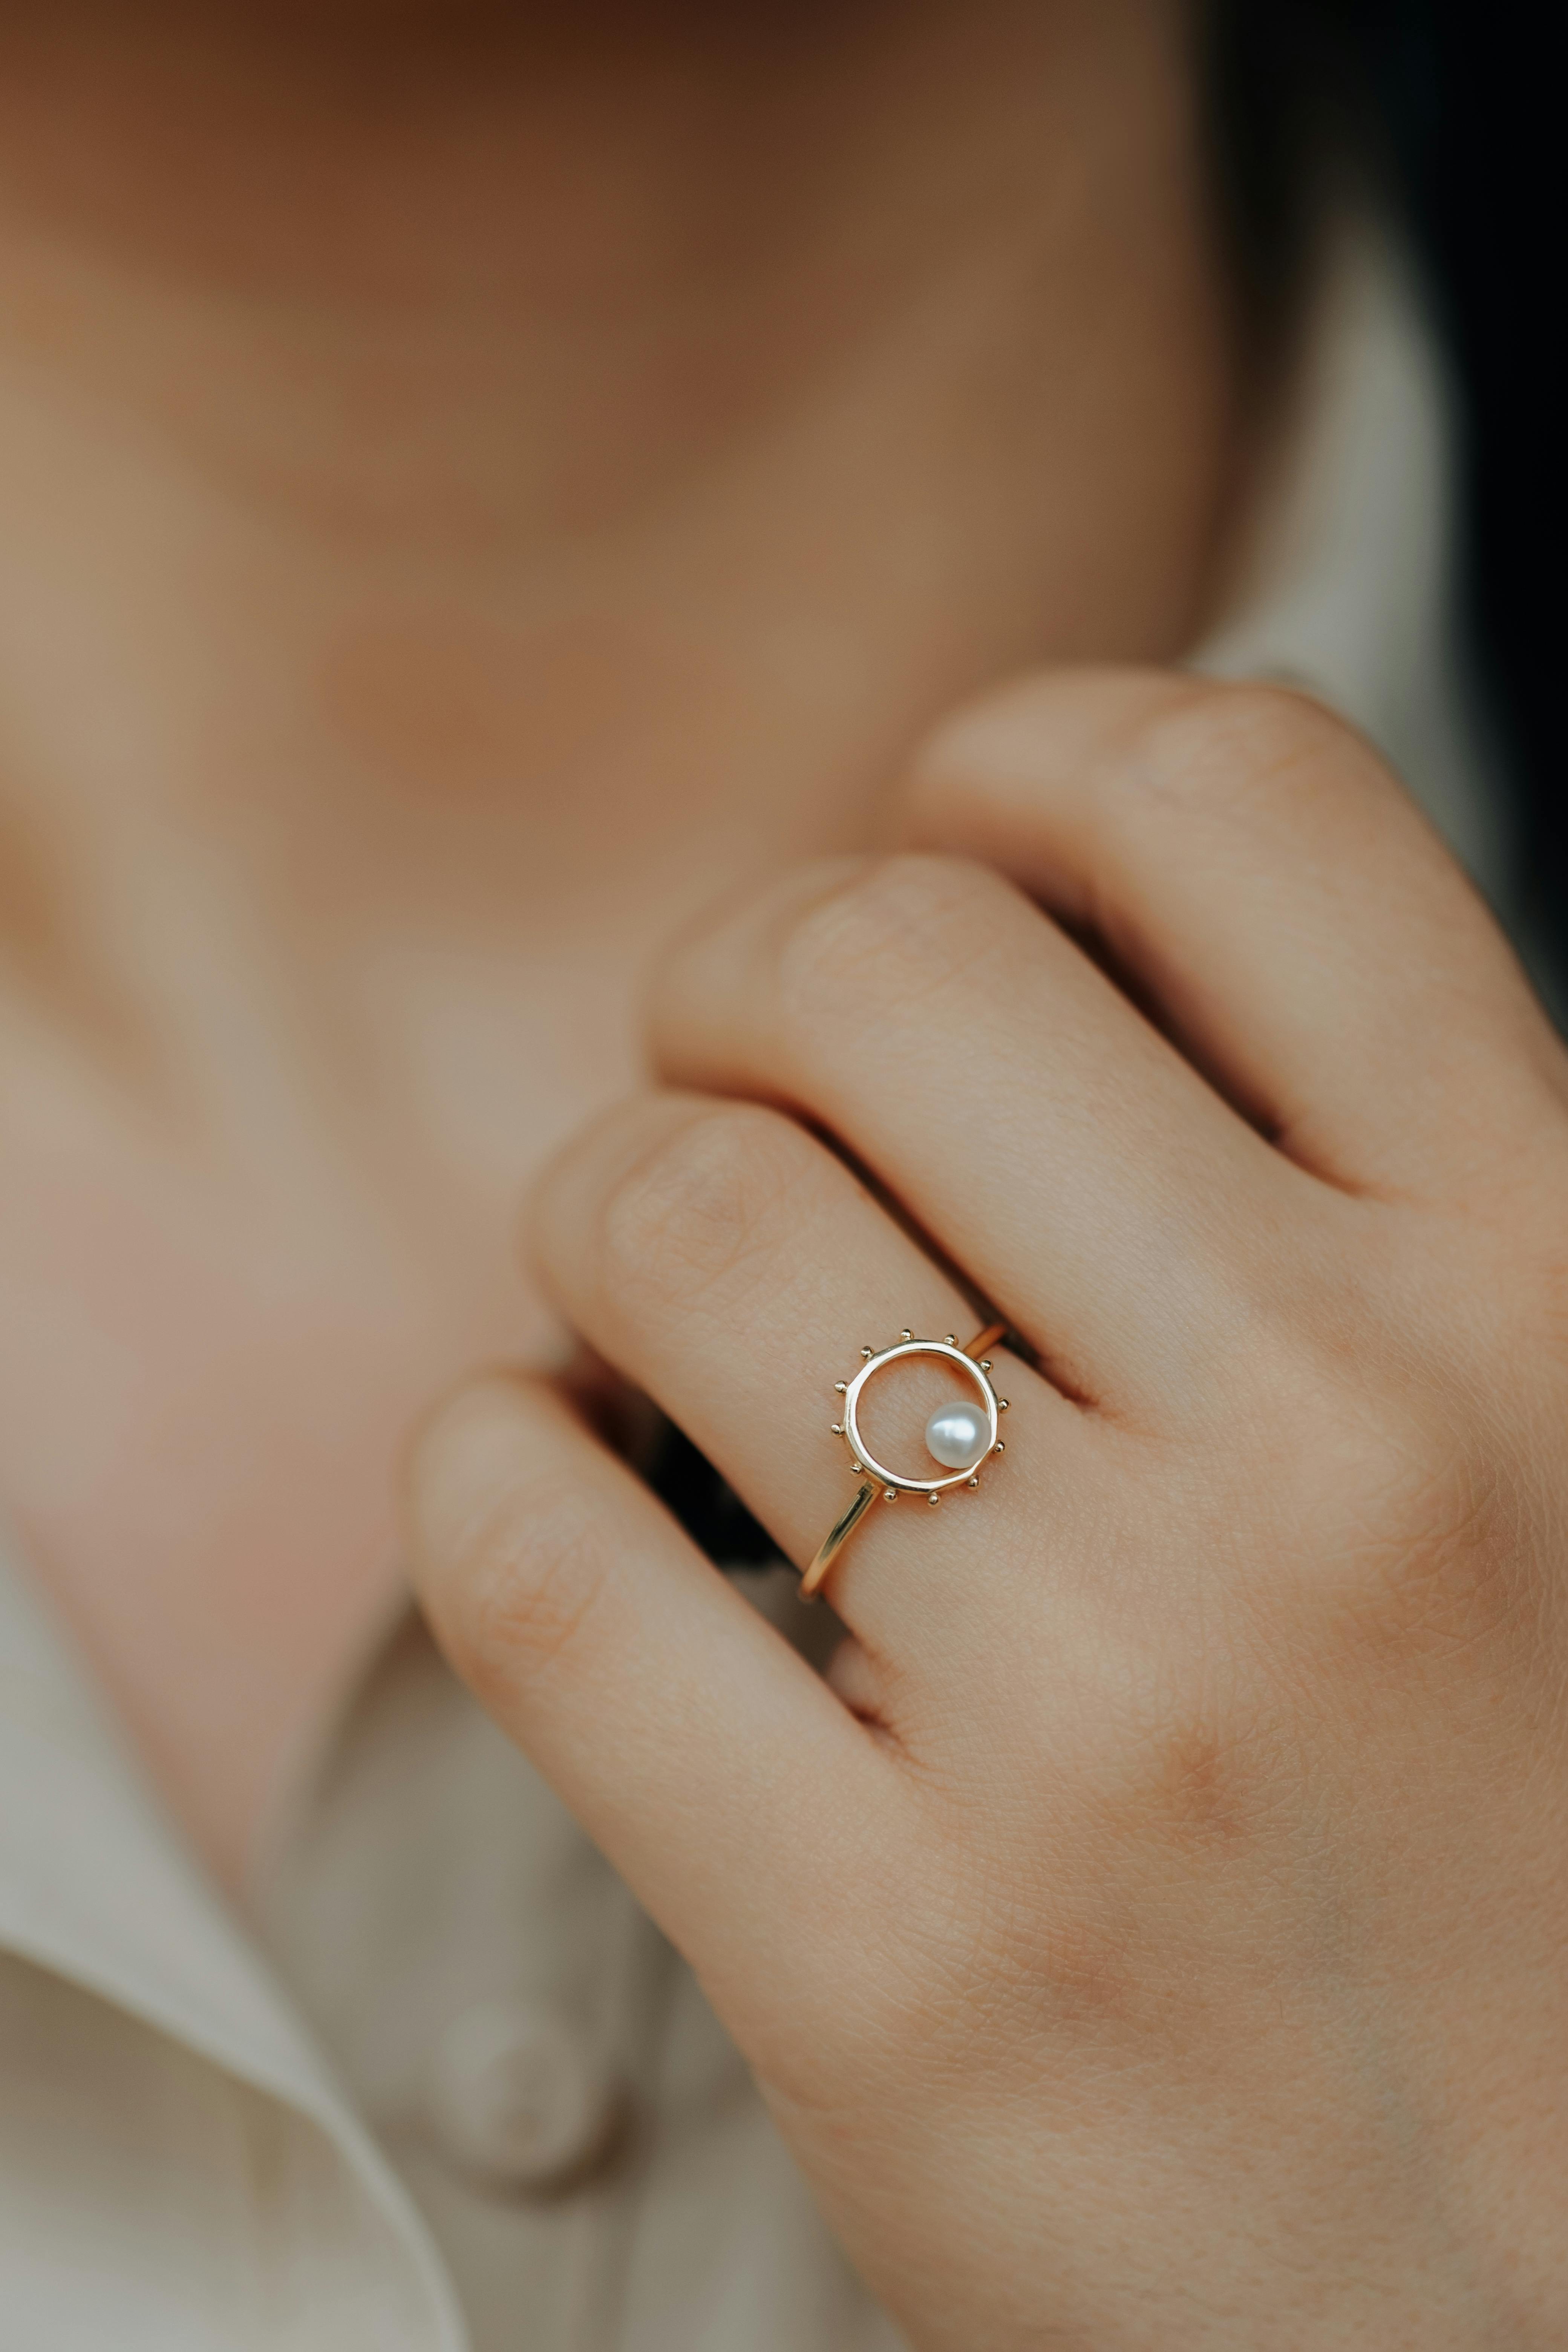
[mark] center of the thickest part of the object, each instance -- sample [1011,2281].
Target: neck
[476,400]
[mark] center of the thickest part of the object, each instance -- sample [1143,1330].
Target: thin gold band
[867,1493]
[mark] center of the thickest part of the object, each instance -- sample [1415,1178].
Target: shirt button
[515,2101]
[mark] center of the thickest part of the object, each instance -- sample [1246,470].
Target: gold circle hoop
[876,1478]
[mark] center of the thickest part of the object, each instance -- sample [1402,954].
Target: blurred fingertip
[460,1459]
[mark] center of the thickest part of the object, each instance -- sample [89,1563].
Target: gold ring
[971,1444]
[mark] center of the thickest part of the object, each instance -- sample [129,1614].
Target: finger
[734,1793]
[735,1269]
[1007,1094]
[1260,877]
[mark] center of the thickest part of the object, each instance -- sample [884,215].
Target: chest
[207,1373]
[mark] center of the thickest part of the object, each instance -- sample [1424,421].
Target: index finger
[740,1799]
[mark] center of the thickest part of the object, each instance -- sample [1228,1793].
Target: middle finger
[1114,1207]
[734,1269]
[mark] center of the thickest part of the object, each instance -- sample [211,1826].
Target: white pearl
[956,1434]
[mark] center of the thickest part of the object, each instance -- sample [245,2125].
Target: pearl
[956,1434]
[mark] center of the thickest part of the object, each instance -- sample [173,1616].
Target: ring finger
[1119,1213]
[733,1268]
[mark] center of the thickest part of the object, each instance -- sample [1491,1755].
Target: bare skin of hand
[1152,1932]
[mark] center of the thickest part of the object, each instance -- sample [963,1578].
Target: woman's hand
[1155,1934]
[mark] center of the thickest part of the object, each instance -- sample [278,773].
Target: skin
[1150,1933]
[437,558]
[476,482]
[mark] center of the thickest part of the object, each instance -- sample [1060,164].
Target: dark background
[1457,108]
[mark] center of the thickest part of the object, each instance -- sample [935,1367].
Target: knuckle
[1189,1778]
[524,1582]
[1182,1764]
[1233,750]
[1163,1775]
[1048,1929]
[1372,1507]
[1432,1573]
[899,927]
[1412,1523]
[699,1204]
